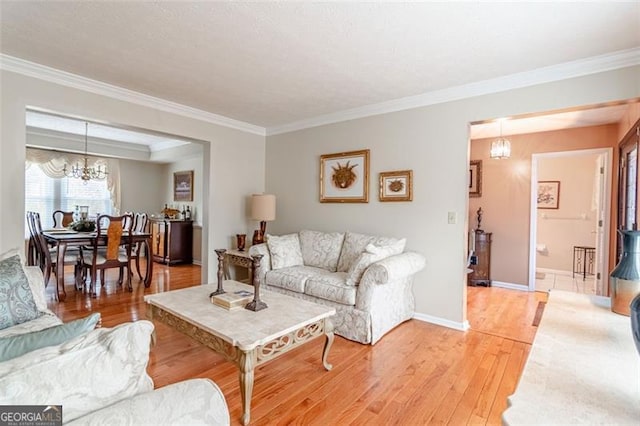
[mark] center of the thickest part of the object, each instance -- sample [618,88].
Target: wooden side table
[238,258]
[481,271]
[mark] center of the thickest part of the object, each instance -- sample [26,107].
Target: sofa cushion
[354,245]
[293,278]
[284,250]
[46,320]
[321,249]
[372,253]
[84,374]
[15,346]
[16,299]
[331,287]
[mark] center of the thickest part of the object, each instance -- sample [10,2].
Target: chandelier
[501,147]
[85,172]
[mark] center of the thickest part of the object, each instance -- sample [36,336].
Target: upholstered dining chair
[62,219]
[104,252]
[47,256]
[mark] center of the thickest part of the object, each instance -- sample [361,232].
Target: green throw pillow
[16,300]
[15,346]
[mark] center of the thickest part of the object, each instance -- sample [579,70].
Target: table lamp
[263,209]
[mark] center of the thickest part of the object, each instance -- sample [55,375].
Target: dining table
[62,238]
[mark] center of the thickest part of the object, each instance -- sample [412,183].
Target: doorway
[569,220]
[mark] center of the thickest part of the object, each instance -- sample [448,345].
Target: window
[45,195]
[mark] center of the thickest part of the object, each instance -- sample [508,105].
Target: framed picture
[475,178]
[396,186]
[344,177]
[548,194]
[183,186]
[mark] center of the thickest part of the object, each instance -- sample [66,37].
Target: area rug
[538,316]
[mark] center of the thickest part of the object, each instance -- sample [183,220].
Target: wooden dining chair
[140,223]
[104,252]
[62,219]
[47,256]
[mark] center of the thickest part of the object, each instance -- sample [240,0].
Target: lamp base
[258,234]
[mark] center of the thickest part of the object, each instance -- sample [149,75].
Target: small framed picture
[183,186]
[344,177]
[548,194]
[475,178]
[396,186]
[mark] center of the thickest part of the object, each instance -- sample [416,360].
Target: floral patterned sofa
[367,279]
[99,376]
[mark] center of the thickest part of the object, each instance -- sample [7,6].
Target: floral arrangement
[83,225]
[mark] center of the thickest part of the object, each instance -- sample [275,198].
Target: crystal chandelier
[85,172]
[501,147]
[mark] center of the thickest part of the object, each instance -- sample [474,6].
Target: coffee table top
[242,328]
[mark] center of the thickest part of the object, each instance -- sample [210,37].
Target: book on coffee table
[234,300]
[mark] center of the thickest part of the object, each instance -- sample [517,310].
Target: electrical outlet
[451,218]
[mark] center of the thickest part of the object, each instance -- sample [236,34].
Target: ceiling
[270,64]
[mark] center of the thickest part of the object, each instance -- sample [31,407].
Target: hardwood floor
[417,374]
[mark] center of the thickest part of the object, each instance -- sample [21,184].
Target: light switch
[451,218]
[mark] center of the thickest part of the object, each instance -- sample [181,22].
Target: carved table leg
[328,331]
[246,363]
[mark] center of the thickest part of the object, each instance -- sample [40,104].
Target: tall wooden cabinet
[481,272]
[172,241]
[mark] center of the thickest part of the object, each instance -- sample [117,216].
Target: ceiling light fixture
[501,147]
[85,173]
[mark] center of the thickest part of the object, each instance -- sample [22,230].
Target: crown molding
[578,68]
[32,69]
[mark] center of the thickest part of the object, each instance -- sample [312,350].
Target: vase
[625,277]
[241,240]
[635,321]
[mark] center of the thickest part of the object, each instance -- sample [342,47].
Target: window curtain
[52,164]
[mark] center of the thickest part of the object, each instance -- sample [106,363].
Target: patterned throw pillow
[372,253]
[16,300]
[284,250]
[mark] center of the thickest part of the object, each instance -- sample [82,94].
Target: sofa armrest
[393,268]
[265,262]
[192,402]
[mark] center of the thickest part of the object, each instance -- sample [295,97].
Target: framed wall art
[475,178]
[548,194]
[396,186]
[344,177]
[183,186]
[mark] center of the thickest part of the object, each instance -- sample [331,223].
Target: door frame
[602,253]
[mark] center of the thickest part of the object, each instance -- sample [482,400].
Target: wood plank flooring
[418,374]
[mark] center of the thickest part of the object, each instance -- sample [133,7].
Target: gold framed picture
[396,185]
[344,177]
[183,186]
[475,178]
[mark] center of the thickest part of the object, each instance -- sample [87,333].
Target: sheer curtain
[52,164]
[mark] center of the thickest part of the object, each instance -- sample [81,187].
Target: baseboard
[510,286]
[197,262]
[461,326]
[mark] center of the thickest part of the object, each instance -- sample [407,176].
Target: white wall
[224,187]
[434,142]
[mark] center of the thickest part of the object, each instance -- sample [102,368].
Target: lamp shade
[263,207]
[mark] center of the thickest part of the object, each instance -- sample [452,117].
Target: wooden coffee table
[244,337]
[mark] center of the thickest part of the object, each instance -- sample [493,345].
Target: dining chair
[62,219]
[112,233]
[47,256]
[140,223]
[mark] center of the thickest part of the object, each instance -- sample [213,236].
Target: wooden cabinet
[172,241]
[481,272]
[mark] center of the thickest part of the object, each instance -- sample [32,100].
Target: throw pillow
[34,276]
[284,251]
[321,249]
[16,300]
[15,346]
[372,253]
[353,246]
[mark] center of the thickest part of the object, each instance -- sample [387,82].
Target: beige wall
[434,142]
[630,118]
[506,192]
[574,222]
[140,190]
[225,149]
